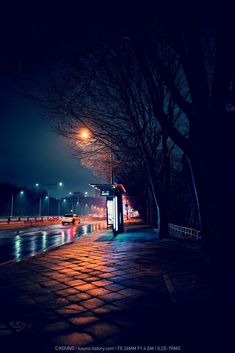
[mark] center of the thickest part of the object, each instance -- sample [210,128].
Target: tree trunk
[214,181]
[161,205]
[206,211]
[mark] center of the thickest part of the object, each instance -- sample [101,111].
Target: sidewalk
[101,293]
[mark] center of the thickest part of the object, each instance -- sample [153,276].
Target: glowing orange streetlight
[84,134]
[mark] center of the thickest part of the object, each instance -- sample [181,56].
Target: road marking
[170,288]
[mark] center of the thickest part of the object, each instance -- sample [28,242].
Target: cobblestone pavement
[103,292]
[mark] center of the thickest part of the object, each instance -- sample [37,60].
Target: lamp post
[48,205]
[12,201]
[64,202]
[77,207]
[71,199]
[40,207]
[40,203]
[48,194]
[47,198]
[85,134]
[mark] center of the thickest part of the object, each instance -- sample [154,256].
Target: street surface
[133,290]
[18,244]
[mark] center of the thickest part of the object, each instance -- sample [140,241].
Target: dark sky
[33,38]
[30,151]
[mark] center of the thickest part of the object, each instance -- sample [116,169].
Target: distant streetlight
[40,202]
[40,207]
[12,201]
[64,203]
[59,206]
[48,196]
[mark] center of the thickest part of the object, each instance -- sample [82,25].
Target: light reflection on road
[18,244]
[17,247]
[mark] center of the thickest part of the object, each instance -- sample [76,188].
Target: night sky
[32,152]
[31,39]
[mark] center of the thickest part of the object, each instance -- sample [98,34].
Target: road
[18,244]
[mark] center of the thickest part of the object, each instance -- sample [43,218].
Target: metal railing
[29,219]
[185,231]
[24,219]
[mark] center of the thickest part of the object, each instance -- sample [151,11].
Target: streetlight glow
[84,134]
[12,201]
[48,194]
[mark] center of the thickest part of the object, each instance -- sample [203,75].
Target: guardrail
[29,219]
[41,219]
[187,232]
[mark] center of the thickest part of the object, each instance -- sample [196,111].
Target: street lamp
[12,201]
[40,203]
[48,196]
[59,206]
[77,207]
[85,134]
[71,199]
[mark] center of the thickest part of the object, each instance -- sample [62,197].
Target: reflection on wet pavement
[16,245]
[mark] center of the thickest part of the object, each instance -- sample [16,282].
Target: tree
[109,97]
[209,80]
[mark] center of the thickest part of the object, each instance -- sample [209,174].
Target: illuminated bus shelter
[114,209]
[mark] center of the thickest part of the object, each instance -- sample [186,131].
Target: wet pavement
[18,244]
[132,292]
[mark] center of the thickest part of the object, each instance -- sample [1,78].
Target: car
[70,218]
